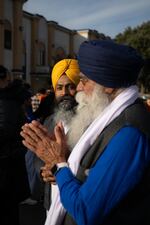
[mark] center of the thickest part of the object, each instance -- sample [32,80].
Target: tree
[139,38]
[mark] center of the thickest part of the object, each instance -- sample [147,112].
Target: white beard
[88,109]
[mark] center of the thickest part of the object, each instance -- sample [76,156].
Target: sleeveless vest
[134,209]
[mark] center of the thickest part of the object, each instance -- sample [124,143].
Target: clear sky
[106,16]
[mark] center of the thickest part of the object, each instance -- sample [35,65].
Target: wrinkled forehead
[82,75]
[64,80]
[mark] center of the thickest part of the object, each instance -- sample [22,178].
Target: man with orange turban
[65,78]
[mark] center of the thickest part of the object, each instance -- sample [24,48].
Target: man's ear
[108,90]
[112,92]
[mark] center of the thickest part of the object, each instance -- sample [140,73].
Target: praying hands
[50,149]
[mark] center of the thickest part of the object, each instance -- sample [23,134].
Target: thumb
[58,134]
[60,124]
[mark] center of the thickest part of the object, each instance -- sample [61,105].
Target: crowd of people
[87,142]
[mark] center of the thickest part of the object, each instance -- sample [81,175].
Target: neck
[115,93]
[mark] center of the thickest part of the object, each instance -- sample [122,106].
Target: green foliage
[139,38]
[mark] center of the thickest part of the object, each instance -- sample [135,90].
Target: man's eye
[72,87]
[59,88]
[84,80]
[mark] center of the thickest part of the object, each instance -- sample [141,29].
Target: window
[7,39]
[7,35]
[42,57]
[41,54]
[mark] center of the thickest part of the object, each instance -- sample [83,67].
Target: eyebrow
[65,84]
[83,77]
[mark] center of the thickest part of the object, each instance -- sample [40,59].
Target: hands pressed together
[47,174]
[51,149]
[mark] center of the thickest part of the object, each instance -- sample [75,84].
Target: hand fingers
[35,130]
[38,124]
[43,168]
[27,133]
[49,179]
[30,138]
[46,167]
[26,124]
[52,136]
[60,125]
[29,146]
[58,134]
[47,176]
[38,131]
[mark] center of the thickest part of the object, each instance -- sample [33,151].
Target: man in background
[65,77]
[14,186]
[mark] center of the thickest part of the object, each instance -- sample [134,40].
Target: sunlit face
[86,85]
[65,87]
[65,92]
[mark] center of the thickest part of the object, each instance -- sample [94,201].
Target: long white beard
[88,109]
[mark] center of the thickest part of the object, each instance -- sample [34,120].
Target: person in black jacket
[14,186]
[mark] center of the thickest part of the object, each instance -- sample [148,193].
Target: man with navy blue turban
[109,64]
[105,180]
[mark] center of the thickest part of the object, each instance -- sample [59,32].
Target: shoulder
[129,140]
[127,146]
[128,135]
[129,131]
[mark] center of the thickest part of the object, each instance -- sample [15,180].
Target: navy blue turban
[109,64]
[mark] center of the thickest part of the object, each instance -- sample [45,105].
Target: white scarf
[113,110]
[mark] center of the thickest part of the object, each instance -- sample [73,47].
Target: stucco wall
[62,39]
[43,34]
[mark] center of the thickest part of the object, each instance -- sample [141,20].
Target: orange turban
[69,67]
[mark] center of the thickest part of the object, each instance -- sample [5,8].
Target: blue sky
[106,16]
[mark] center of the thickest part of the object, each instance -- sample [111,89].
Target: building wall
[84,33]
[43,35]
[8,59]
[17,38]
[36,33]
[77,40]
[61,39]
[27,41]
[29,32]
[8,10]
[59,42]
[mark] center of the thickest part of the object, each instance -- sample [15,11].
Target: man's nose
[65,91]
[80,86]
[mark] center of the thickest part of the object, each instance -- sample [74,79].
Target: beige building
[11,39]
[30,45]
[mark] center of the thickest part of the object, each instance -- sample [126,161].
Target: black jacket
[13,176]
